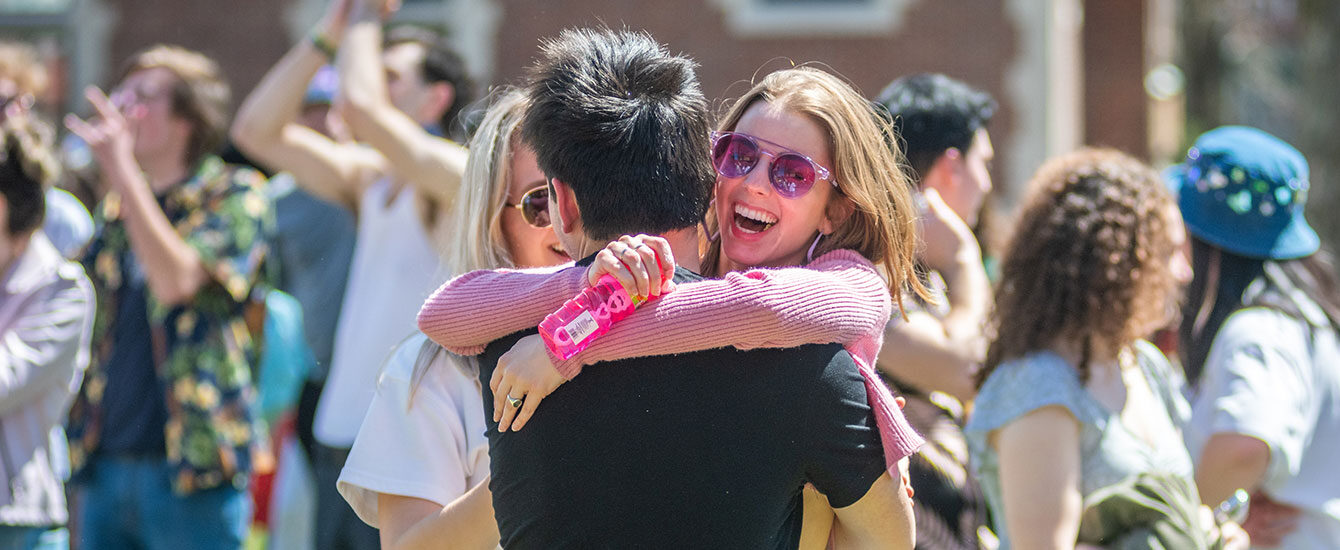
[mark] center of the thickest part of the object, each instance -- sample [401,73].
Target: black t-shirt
[698,450]
[134,405]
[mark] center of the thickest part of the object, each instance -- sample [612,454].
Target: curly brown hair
[28,167]
[1087,265]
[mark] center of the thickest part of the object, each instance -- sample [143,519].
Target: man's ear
[442,95]
[941,174]
[565,201]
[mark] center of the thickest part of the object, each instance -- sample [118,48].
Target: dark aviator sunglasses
[534,206]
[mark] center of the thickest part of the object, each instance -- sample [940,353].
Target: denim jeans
[14,537]
[128,503]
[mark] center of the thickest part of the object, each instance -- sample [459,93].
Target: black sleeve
[844,455]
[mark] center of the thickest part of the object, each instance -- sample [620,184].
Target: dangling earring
[712,237]
[809,256]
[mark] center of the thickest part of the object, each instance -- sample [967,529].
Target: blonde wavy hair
[476,223]
[867,166]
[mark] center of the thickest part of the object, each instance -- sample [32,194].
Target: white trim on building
[1044,86]
[772,18]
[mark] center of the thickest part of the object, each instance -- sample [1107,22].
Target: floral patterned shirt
[202,349]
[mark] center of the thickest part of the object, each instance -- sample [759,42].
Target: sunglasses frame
[520,205]
[821,173]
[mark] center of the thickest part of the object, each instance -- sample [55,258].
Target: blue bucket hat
[1244,190]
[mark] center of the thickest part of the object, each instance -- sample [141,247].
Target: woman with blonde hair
[422,445]
[1071,399]
[806,177]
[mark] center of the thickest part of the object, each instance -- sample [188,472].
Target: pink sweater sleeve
[476,308]
[839,297]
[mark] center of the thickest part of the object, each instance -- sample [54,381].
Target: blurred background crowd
[213,207]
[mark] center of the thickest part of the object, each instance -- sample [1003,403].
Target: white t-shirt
[431,447]
[395,267]
[1269,377]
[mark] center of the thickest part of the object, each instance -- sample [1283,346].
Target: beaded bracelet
[322,44]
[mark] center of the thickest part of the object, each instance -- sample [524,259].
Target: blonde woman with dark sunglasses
[418,470]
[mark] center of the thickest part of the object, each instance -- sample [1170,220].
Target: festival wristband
[322,44]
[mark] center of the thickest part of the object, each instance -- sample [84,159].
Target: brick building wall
[244,36]
[1007,47]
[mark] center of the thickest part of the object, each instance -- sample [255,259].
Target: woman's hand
[1269,521]
[1229,533]
[383,8]
[525,373]
[1234,537]
[945,237]
[334,21]
[644,265]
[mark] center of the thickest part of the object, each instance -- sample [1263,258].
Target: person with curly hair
[23,80]
[1071,399]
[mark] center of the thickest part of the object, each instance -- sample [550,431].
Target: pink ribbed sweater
[839,297]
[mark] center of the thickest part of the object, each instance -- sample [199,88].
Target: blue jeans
[129,504]
[13,537]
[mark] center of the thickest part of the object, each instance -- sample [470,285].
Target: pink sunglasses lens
[791,175]
[734,156]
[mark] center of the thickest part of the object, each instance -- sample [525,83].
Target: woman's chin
[558,257]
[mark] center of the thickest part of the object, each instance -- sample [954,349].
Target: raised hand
[382,8]
[1269,521]
[944,234]
[334,21]
[110,135]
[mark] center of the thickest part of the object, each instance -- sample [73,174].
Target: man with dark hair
[942,123]
[176,258]
[699,450]
[932,356]
[623,137]
[442,68]
[398,96]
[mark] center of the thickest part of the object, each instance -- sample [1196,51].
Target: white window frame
[83,29]
[762,19]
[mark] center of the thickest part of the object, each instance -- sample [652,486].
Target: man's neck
[163,173]
[683,244]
